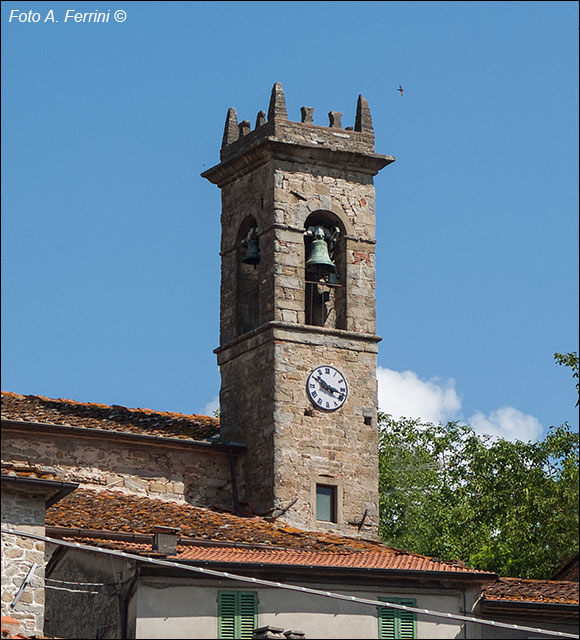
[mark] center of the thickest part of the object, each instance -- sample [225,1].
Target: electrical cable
[280,585]
[49,586]
[84,584]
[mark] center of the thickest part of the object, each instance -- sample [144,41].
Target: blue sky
[110,237]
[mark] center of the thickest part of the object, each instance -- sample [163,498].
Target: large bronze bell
[319,257]
[252,252]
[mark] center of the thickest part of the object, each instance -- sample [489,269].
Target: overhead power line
[290,587]
[49,586]
[84,584]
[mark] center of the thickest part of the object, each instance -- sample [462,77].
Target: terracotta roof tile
[25,470]
[368,559]
[273,543]
[108,418]
[524,590]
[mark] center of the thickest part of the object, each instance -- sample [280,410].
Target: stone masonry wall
[257,187]
[291,446]
[199,477]
[350,197]
[247,401]
[293,195]
[313,446]
[24,513]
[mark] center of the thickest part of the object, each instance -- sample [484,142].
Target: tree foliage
[496,505]
[570,360]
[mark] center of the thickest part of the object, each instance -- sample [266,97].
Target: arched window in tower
[248,282]
[325,272]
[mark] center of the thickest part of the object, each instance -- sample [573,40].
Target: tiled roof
[272,543]
[367,559]
[538,591]
[85,415]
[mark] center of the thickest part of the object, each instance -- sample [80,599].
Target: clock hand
[326,385]
[323,384]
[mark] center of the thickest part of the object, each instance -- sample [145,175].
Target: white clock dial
[327,388]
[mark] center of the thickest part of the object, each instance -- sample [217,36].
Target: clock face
[327,388]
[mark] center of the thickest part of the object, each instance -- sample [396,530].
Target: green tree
[570,360]
[496,505]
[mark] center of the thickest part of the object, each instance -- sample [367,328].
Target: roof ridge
[187,541]
[536,580]
[98,405]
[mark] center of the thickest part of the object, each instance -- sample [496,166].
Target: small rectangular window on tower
[326,502]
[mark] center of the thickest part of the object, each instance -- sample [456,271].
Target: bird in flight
[400,90]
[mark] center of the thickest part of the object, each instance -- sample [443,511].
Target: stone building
[283,488]
[298,341]
[25,498]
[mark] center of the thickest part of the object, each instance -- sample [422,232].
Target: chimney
[165,540]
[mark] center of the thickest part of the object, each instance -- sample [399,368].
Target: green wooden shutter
[226,614]
[247,618]
[396,624]
[237,614]
[386,622]
[407,620]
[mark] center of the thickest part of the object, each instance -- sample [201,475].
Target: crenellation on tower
[298,303]
[277,107]
[244,128]
[260,119]
[277,127]
[231,132]
[307,115]
[363,121]
[334,119]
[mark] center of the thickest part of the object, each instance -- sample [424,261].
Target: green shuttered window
[395,624]
[237,614]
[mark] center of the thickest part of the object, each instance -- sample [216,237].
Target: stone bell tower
[298,349]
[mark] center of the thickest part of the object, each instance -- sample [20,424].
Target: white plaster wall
[190,611]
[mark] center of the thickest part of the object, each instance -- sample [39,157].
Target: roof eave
[524,606]
[88,432]
[55,489]
[261,567]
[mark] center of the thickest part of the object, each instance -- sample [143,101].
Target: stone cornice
[267,149]
[303,334]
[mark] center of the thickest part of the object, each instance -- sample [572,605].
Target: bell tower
[298,348]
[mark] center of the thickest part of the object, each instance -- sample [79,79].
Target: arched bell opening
[325,271]
[248,281]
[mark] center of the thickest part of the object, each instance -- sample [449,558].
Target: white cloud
[211,406]
[508,423]
[405,394]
